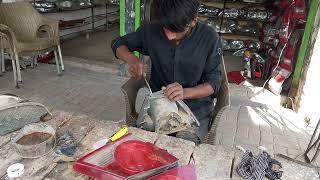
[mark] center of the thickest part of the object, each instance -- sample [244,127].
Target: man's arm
[176,92]
[136,67]
[123,48]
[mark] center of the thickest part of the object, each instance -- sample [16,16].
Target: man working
[186,56]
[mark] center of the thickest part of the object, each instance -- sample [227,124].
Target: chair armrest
[223,96]
[8,34]
[50,26]
[210,138]
[223,102]
[3,37]
[130,90]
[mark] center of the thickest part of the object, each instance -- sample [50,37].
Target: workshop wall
[308,95]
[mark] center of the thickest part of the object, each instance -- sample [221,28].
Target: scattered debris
[64,159]
[257,167]
[67,144]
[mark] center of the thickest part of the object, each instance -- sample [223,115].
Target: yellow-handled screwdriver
[114,137]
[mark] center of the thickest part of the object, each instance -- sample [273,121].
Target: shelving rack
[88,18]
[223,5]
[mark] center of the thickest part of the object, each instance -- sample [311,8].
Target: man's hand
[174,92]
[137,68]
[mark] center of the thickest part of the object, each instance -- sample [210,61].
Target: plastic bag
[163,116]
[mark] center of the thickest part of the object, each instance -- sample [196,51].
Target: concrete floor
[77,92]
[256,118]
[232,63]
[96,48]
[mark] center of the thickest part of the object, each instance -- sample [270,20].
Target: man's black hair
[175,15]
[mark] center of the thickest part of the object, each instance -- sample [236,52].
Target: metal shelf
[240,20]
[81,13]
[237,19]
[220,4]
[240,37]
[93,17]
[86,27]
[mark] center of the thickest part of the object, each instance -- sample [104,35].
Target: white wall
[310,94]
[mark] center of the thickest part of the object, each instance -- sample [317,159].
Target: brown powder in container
[34,138]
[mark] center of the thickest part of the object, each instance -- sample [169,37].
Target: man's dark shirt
[196,60]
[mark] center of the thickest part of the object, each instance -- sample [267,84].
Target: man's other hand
[174,92]
[137,69]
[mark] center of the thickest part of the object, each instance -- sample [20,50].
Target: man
[186,58]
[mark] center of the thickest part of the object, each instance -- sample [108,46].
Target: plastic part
[137,156]
[15,170]
[73,4]
[208,11]
[235,77]
[45,6]
[163,116]
[104,163]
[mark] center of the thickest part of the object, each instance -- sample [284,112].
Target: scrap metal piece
[73,4]
[208,11]
[237,44]
[16,113]
[232,13]
[228,26]
[257,14]
[163,116]
[45,6]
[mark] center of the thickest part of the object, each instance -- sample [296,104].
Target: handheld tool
[114,137]
[145,79]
